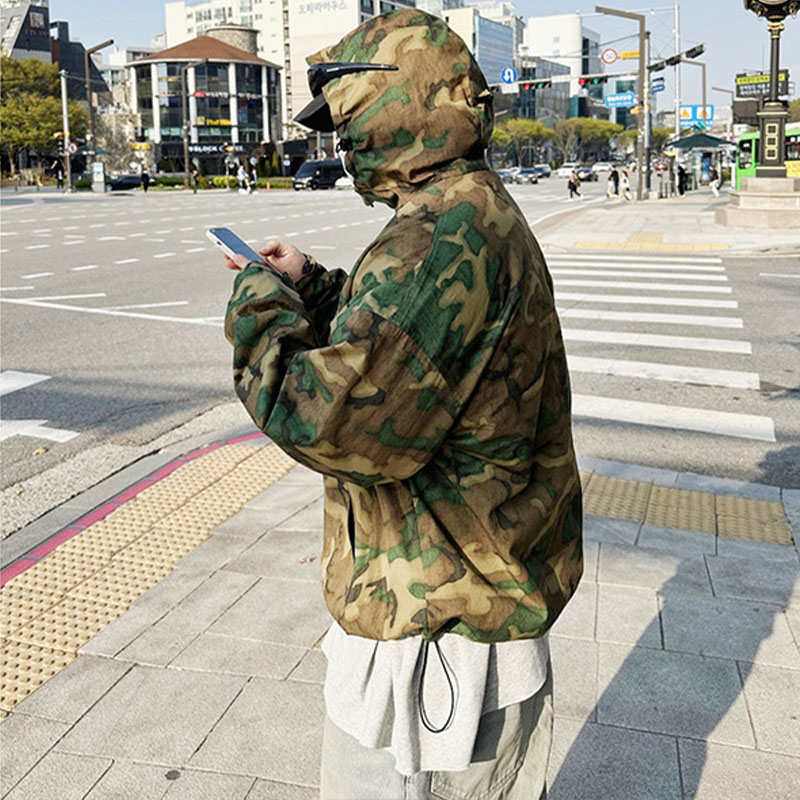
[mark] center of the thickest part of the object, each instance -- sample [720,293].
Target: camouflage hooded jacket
[429,386]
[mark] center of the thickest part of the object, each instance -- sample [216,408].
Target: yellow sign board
[140,145]
[629,54]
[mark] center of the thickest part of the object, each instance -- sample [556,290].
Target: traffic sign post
[609,56]
[657,85]
[622,100]
[693,116]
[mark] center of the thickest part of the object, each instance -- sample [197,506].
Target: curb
[110,493]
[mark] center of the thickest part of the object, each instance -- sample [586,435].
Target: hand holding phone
[281,256]
[233,246]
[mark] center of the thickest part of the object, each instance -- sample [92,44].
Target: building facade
[566,40]
[491,43]
[70,55]
[547,105]
[504,13]
[288,31]
[232,101]
[25,29]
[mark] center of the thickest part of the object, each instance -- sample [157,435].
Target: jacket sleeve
[320,291]
[367,406]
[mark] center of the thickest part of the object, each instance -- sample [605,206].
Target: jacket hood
[402,129]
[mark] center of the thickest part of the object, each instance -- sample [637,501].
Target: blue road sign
[622,100]
[509,75]
[658,87]
[692,116]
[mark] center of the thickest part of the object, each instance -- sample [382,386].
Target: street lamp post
[733,96]
[90,144]
[642,119]
[184,68]
[772,118]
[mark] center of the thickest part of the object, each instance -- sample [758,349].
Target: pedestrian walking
[713,180]
[435,402]
[253,181]
[573,184]
[682,178]
[243,179]
[145,180]
[625,186]
[614,177]
[58,167]
[195,179]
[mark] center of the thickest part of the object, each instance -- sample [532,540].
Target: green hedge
[82,183]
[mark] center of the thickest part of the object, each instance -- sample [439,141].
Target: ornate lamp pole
[772,150]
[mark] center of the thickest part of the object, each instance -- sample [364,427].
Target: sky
[735,39]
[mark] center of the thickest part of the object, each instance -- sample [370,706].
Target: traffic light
[595,80]
[534,85]
[658,66]
[696,51]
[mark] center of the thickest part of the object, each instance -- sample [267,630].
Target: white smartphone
[231,244]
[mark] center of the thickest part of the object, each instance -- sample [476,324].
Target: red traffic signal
[594,80]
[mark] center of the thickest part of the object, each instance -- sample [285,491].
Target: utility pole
[648,122]
[65,123]
[90,151]
[733,97]
[642,120]
[677,71]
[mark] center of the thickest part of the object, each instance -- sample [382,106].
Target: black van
[318,174]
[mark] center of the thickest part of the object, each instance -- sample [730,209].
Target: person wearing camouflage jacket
[429,385]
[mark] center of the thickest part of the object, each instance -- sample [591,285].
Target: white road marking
[194,249]
[71,227]
[665,372]
[633,266]
[190,241]
[641,300]
[662,287]
[702,420]
[158,232]
[777,275]
[13,381]
[36,275]
[643,259]
[111,239]
[163,255]
[41,230]
[68,296]
[34,428]
[104,311]
[126,261]
[136,235]
[15,288]
[612,273]
[150,305]
[98,224]
[123,223]
[657,319]
[81,269]
[323,247]
[657,340]
[74,241]
[36,246]
[9,233]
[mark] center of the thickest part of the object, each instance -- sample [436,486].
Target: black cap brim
[316,115]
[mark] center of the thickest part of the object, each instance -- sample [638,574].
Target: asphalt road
[112,309]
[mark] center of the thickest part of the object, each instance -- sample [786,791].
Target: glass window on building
[245,5]
[171,113]
[211,78]
[169,79]
[248,79]
[144,95]
[251,119]
[367,7]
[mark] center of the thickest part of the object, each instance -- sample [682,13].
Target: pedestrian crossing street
[643,321]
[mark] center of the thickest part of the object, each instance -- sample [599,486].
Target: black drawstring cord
[421,699]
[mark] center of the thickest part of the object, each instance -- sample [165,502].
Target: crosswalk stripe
[613,273]
[648,259]
[657,340]
[657,319]
[661,287]
[641,300]
[701,420]
[665,372]
[635,265]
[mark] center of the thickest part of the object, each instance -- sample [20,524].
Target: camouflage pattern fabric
[430,385]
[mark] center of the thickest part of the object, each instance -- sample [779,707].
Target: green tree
[276,170]
[30,108]
[660,136]
[526,135]
[594,135]
[794,111]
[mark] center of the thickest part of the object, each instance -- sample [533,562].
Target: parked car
[122,182]
[565,170]
[586,174]
[602,166]
[345,182]
[318,174]
[543,170]
[506,175]
[526,175]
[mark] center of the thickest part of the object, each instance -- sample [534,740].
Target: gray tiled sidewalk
[676,667]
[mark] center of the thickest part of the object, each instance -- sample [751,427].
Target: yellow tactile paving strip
[651,243]
[57,605]
[721,515]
